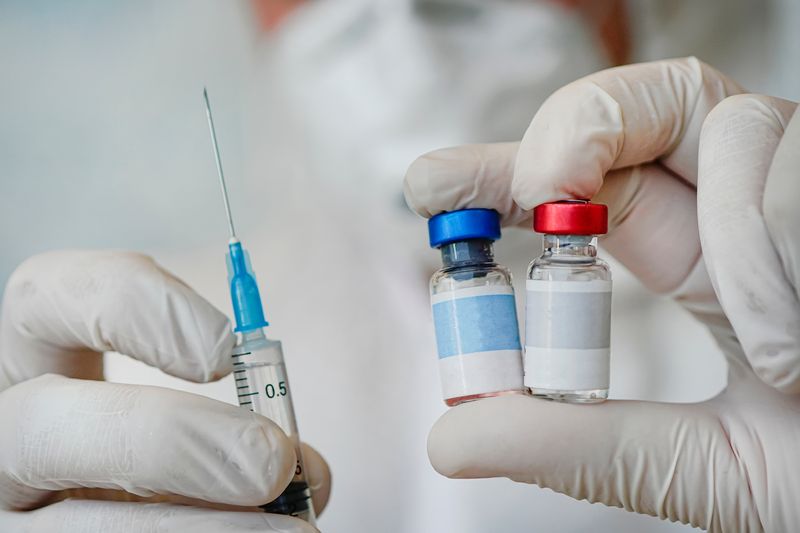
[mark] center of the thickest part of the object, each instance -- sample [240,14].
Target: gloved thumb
[672,461]
[470,176]
[748,232]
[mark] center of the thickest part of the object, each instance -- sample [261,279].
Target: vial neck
[469,252]
[570,247]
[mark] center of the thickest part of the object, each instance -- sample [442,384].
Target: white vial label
[477,337]
[567,334]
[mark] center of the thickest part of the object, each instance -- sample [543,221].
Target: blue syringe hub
[247,308]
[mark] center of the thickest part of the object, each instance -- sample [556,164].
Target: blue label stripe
[476,324]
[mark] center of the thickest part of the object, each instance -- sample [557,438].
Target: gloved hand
[89,456]
[702,189]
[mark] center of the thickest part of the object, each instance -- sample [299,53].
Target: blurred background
[320,106]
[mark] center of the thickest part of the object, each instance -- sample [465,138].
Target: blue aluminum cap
[461,225]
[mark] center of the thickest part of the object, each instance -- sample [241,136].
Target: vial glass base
[451,402]
[572,396]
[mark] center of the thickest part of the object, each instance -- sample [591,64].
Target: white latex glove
[69,446]
[630,137]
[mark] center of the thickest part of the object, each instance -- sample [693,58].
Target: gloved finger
[653,232]
[60,307]
[781,193]
[476,175]
[317,470]
[319,477]
[670,461]
[86,516]
[616,118]
[61,433]
[737,146]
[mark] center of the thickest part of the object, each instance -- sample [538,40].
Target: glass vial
[474,310]
[568,307]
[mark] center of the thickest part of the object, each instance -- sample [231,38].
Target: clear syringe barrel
[263,387]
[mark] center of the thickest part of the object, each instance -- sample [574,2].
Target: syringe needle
[219,164]
[260,361]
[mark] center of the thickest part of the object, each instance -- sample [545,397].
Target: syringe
[259,371]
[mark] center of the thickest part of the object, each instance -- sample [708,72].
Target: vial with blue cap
[474,311]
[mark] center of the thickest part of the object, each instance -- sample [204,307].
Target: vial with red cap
[568,306]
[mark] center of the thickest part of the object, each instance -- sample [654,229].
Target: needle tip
[219,165]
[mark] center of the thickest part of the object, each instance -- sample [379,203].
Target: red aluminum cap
[571,217]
